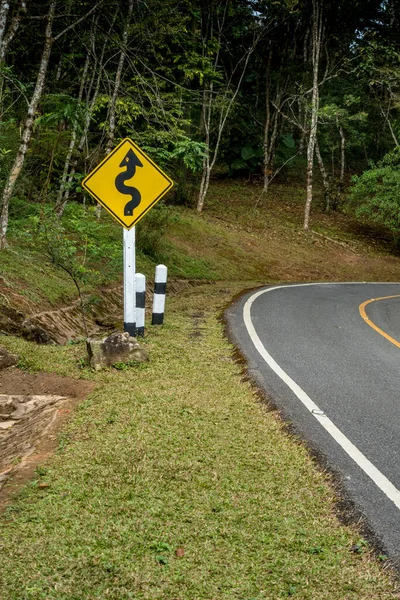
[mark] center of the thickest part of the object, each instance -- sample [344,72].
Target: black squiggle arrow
[130,161]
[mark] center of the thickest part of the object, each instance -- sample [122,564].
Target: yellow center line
[363,314]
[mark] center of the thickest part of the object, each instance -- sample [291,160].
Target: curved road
[329,357]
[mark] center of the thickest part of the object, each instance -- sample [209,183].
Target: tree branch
[95,7]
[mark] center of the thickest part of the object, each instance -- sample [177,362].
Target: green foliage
[63,251]
[59,108]
[190,152]
[79,244]
[175,151]
[151,230]
[8,145]
[376,193]
[288,141]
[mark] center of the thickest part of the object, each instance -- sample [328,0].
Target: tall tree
[117,80]
[317,33]
[218,100]
[30,117]
[27,132]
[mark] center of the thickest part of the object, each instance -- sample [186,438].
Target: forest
[244,88]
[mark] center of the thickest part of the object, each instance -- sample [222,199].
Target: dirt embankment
[103,313]
[33,408]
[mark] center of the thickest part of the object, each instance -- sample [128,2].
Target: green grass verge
[27,277]
[173,482]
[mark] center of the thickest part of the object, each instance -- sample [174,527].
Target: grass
[172,481]
[27,281]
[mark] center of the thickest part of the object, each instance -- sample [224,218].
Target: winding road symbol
[128,193]
[130,161]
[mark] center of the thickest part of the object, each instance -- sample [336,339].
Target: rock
[35,333]
[17,407]
[10,320]
[6,424]
[7,359]
[3,479]
[7,406]
[116,348]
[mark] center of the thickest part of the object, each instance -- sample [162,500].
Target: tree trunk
[267,125]
[6,38]
[325,178]
[342,165]
[316,49]
[60,205]
[4,8]
[117,82]
[91,102]
[302,123]
[270,138]
[27,132]
[46,185]
[206,122]
[387,120]
[208,162]
[342,155]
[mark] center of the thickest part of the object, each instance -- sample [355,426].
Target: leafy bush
[78,241]
[376,193]
[250,160]
[151,229]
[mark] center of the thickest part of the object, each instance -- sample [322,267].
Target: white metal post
[129,282]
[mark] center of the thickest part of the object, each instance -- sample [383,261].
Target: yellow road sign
[127,183]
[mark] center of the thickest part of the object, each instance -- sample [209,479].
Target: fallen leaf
[179,552]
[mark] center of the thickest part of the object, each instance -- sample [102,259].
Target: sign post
[129,282]
[128,184]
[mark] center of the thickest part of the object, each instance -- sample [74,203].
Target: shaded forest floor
[171,480]
[268,243]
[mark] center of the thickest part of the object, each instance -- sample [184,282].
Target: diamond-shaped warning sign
[127,183]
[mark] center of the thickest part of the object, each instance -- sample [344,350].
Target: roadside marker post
[128,184]
[140,281]
[160,289]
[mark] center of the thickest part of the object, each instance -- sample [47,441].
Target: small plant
[112,417]
[316,550]
[162,548]
[41,471]
[359,547]
[121,366]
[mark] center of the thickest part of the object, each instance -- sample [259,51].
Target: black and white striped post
[140,303]
[160,289]
[129,282]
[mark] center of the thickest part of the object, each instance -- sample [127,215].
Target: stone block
[7,359]
[116,348]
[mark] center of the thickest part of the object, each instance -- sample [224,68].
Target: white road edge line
[362,461]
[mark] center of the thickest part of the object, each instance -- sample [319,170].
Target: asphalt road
[330,361]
